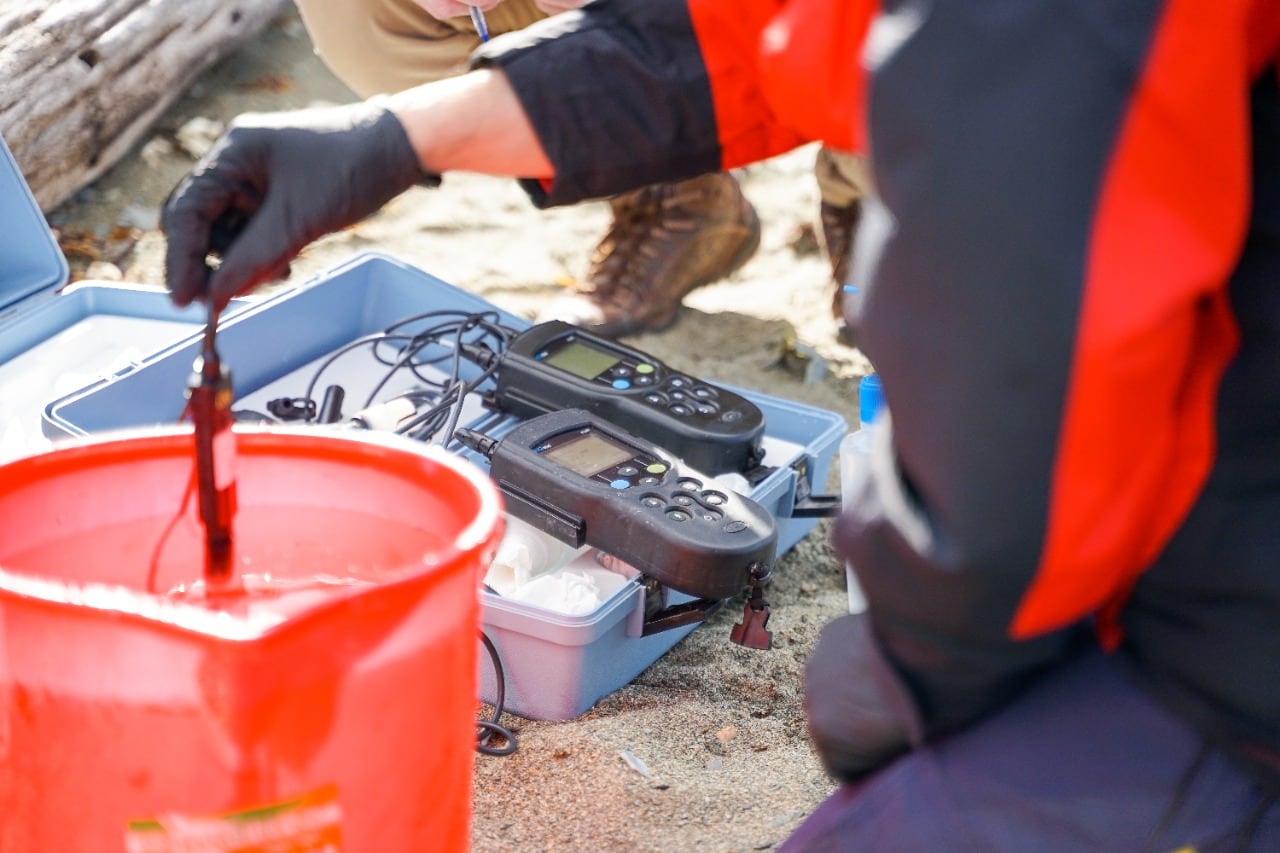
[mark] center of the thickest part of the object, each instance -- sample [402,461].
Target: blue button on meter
[622,384]
[620,484]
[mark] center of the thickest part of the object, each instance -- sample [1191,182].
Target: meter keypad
[683,397]
[689,501]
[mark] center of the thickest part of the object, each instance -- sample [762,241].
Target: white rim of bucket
[196,618]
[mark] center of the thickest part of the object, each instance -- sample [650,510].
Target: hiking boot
[665,240]
[839,225]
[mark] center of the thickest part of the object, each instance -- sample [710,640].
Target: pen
[477,19]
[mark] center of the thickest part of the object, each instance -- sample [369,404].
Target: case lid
[30,259]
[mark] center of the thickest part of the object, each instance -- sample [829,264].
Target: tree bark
[82,80]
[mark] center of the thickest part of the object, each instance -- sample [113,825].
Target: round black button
[679,409]
[678,515]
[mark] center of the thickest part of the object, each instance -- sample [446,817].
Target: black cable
[450,405]
[372,338]
[454,332]
[485,323]
[488,728]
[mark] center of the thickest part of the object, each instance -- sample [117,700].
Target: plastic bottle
[855,456]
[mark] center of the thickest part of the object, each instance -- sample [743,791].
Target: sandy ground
[724,762]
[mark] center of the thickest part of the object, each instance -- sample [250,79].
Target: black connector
[292,408]
[480,354]
[331,405]
[478,442]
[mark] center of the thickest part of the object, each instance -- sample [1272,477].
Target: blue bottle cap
[870,397]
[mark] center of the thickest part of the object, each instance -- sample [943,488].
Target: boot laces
[640,228]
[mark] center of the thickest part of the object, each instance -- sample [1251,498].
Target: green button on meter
[644,368]
[655,468]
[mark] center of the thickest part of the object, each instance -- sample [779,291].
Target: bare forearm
[471,123]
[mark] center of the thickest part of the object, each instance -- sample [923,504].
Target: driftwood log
[81,81]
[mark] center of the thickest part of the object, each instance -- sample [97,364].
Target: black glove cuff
[406,155]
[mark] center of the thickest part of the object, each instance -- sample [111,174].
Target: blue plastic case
[556,666]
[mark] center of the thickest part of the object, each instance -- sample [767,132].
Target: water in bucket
[328,704]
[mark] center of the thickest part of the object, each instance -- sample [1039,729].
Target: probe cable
[490,727]
[461,331]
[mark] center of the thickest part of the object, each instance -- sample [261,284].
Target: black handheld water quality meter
[586,481]
[556,365]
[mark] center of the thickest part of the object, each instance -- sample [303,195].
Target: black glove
[860,713]
[273,183]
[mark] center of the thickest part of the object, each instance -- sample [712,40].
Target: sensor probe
[209,398]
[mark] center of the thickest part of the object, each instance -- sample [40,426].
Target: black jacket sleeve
[657,122]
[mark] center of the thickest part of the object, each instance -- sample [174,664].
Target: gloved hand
[275,182]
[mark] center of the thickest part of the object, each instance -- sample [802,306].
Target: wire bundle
[425,345]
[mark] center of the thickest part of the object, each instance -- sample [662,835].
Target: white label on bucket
[224,459]
[311,823]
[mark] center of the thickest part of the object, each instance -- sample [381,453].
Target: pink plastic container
[330,707]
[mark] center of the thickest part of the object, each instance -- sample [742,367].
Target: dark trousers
[1084,761]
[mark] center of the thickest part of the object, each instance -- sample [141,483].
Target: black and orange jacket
[1069,283]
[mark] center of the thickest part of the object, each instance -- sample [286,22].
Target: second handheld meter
[586,481]
[555,365]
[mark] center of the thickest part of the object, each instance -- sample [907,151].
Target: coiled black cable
[489,728]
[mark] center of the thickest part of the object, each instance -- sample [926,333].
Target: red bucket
[330,706]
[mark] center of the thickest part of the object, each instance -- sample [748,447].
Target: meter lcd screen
[581,360]
[589,454]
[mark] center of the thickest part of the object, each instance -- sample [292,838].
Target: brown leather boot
[839,225]
[665,241]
